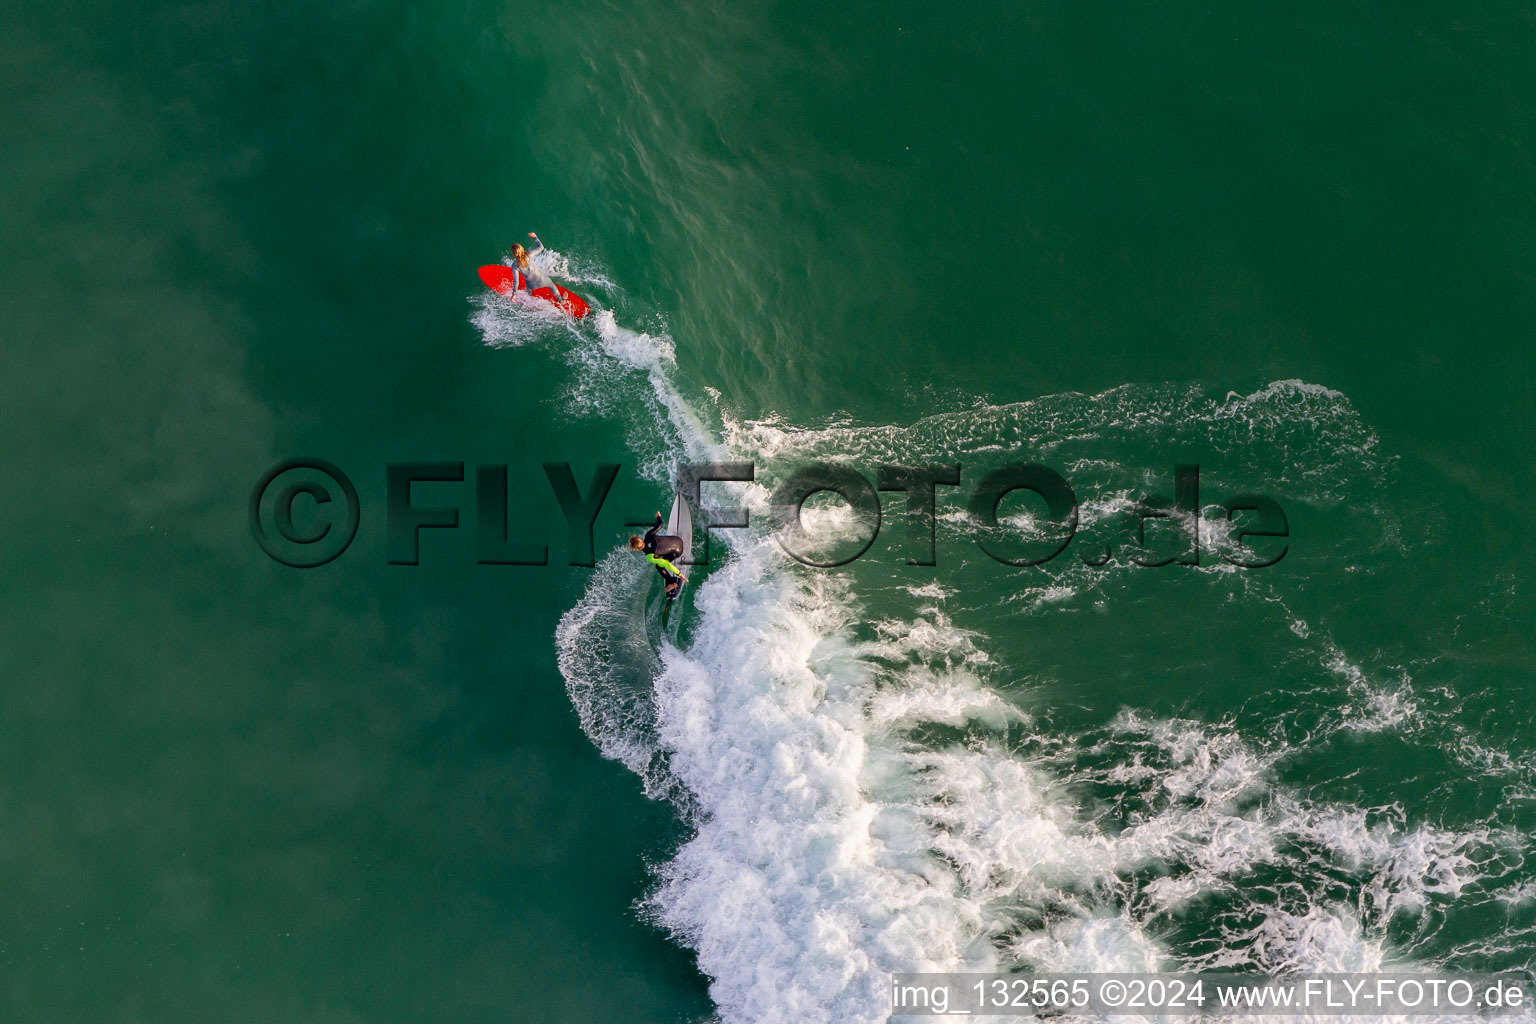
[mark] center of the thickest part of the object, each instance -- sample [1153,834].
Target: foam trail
[656,357]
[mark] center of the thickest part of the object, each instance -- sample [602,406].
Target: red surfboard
[507,280]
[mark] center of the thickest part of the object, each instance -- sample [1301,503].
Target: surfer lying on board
[659,548]
[533,277]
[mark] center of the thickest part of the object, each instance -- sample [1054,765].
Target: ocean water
[1292,246]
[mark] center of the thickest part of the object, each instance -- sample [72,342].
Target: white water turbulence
[862,760]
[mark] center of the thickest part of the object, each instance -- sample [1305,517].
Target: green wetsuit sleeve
[662,563]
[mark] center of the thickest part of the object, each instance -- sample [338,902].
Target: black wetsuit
[664,546]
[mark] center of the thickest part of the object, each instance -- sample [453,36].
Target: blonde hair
[519,254]
[636,542]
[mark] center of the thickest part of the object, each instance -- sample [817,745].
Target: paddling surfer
[533,277]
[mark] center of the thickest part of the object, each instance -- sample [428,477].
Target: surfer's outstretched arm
[538,246]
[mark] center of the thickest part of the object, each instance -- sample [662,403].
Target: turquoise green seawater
[1294,245]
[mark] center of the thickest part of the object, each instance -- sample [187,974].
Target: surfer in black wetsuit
[659,548]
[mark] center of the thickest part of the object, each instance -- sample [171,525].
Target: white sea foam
[829,846]
[832,845]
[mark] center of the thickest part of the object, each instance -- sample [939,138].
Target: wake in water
[883,775]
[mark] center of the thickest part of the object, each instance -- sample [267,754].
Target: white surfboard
[680,524]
